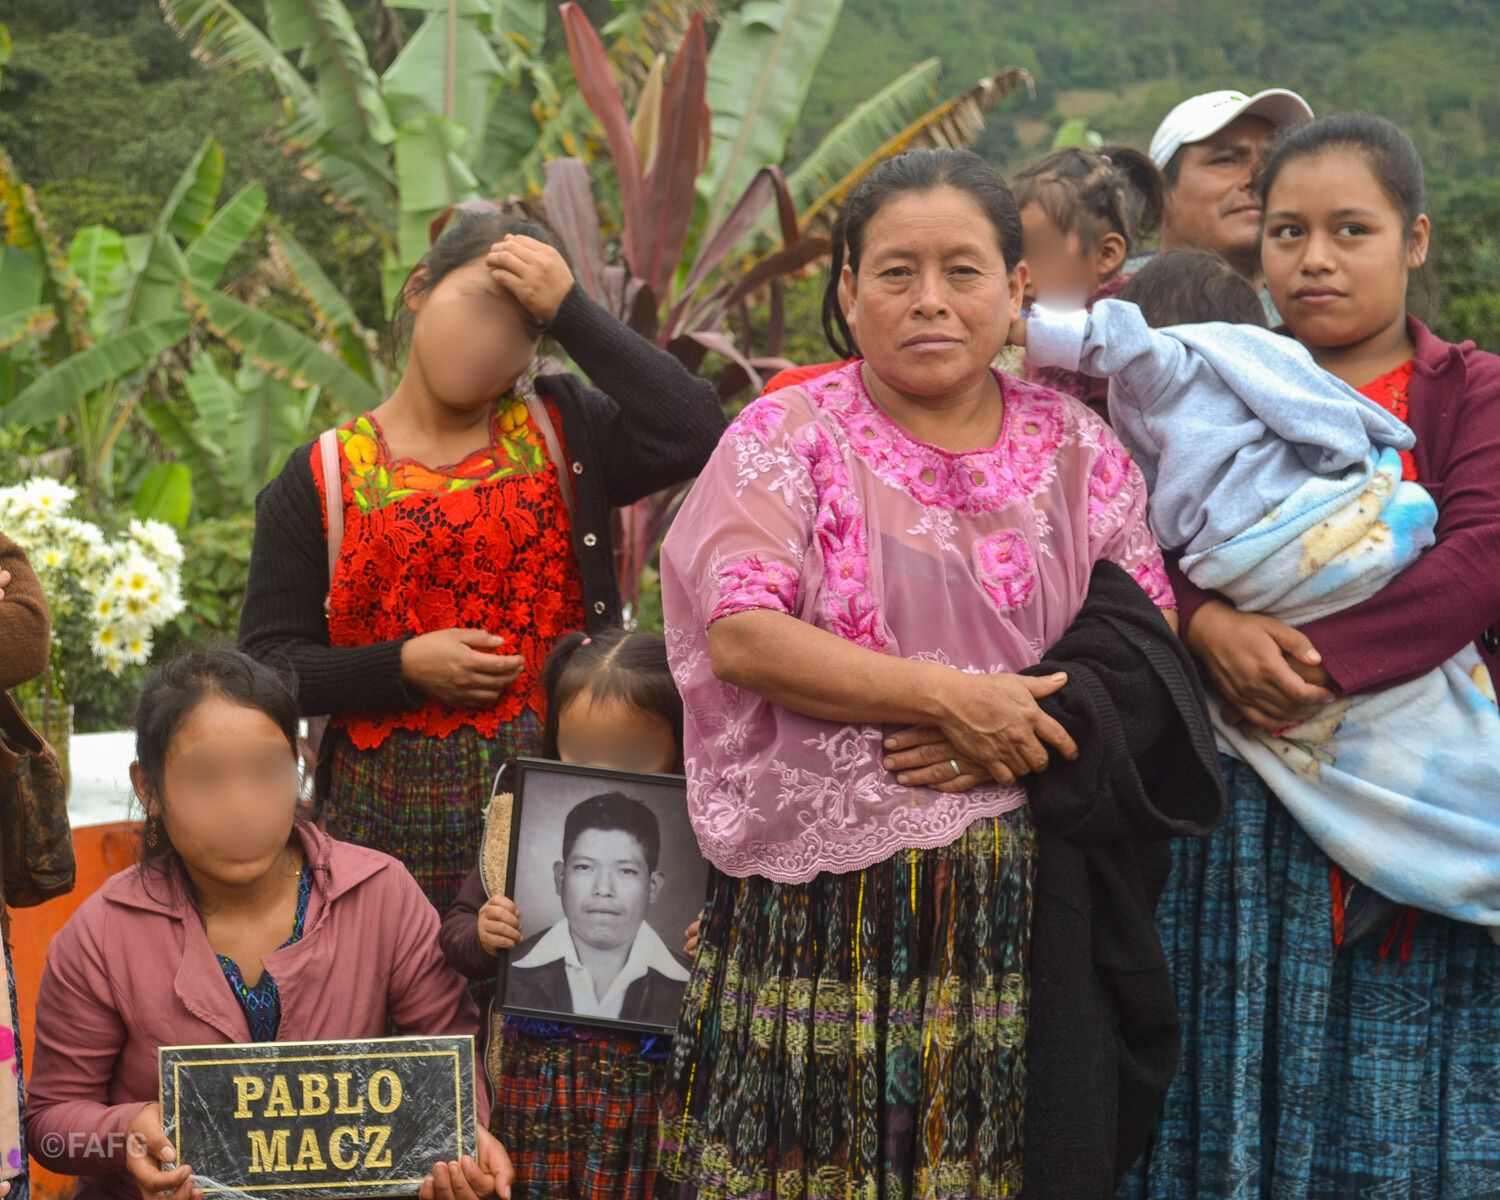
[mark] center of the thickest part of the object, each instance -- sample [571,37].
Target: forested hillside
[101,104]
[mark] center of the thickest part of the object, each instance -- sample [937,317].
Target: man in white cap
[1210,149]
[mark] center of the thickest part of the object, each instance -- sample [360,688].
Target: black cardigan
[653,425]
[1102,1038]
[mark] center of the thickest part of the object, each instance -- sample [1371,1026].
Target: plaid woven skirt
[422,799]
[578,1112]
[1307,1075]
[860,1036]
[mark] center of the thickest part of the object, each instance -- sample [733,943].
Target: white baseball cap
[1200,117]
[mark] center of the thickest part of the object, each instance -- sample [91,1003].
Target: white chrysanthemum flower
[136,649]
[159,540]
[106,641]
[50,558]
[48,496]
[114,663]
[136,578]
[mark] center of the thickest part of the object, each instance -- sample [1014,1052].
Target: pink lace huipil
[818,505]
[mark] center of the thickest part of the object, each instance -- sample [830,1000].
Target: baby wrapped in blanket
[1281,486]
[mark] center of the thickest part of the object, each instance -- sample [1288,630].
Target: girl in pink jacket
[241,924]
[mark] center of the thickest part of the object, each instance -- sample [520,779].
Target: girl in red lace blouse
[476,533]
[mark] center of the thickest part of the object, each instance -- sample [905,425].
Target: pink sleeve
[740,540]
[1118,529]
[1449,596]
[80,1035]
[426,997]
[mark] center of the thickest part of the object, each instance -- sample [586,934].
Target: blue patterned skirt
[1306,1074]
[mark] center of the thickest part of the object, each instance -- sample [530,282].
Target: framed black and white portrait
[607,875]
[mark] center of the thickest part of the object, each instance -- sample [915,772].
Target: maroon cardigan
[1451,595]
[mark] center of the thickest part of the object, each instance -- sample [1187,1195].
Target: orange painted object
[101,850]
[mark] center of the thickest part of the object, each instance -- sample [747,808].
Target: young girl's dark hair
[1185,287]
[469,234]
[610,665]
[1114,189]
[171,694]
[913,171]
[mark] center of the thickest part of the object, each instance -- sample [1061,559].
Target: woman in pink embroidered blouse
[880,549]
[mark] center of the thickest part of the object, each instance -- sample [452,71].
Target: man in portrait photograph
[603,959]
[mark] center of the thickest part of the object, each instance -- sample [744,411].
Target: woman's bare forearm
[811,671]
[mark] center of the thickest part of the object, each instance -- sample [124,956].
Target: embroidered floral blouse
[818,505]
[482,544]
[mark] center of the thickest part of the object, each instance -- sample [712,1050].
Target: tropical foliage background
[209,205]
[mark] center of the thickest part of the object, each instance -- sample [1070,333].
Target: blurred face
[1337,252]
[1213,205]
[616,736]
[1060,272]
[471,339]
[933,299]
[606,888]
[229,792]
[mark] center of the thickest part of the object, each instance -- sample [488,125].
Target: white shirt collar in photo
[647,953]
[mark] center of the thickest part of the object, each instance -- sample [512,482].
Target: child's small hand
[499,924]
[533,272]
[690,945]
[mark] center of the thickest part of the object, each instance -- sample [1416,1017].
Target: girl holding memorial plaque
[241,924]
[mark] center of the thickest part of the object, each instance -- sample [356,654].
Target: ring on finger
[953,762]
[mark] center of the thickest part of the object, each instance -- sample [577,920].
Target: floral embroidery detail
[724,808]
[378,480]
[1152,576]
[484,544]
[1004,567]
[839,530]
[1108,475]
[752,583]
[761,418]
[1023,462]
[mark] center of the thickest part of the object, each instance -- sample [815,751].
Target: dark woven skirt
[860,1035]
[422,799]
[1310,1075]
[578,1112]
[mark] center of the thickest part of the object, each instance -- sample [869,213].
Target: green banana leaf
[190,205]
[25,323]
[20,280]
[431,174]
[226,36]
[280,349]
[759,73]
[447,69]
[351,106]
[229,229]
[330,307]
[114,358]
[166,494]
[865,130]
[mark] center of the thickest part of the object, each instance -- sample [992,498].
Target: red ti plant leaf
[569,201]
[768,183]
[655,245]
[596,80]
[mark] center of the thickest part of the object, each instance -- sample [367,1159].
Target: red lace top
[482,544]
[1392,392]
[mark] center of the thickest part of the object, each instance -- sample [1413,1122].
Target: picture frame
[602,923]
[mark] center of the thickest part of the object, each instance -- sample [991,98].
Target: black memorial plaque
[295,1120]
